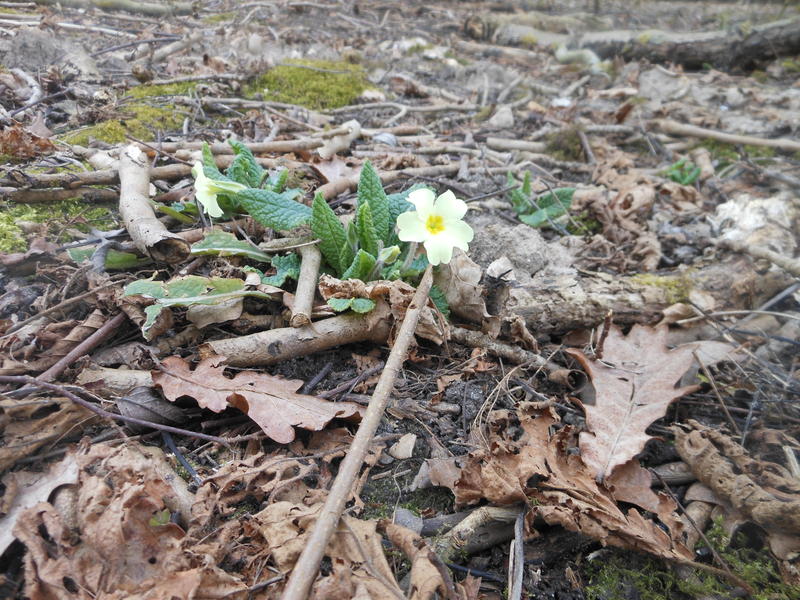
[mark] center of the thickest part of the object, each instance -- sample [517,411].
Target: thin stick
[675,128]
[305,570]
[90,343]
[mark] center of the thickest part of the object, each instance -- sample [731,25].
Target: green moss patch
[73,213]
[627,575]
[169,89]
[315,84]
[139,120]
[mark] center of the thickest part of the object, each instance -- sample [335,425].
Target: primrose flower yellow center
[206,190]
[437,223]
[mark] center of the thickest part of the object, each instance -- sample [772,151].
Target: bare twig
[305,570]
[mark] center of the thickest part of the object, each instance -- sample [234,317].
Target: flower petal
[411,228]
[209,203]
[450,207]
[439,249]
[423,199]
[197,170]
[459,233]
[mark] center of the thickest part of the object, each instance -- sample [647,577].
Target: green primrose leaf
[359,305]
[340,304]
[115,260]
[361,266]
[278,181]
[330,231]
[278,211]
[367,233]
[440,300]
[210,164]
[287,267]
[551,206]
[370,191]
[362,305]
[221,243]
[186,291]
[244,168]
[526,184]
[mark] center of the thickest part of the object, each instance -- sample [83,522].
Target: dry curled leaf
[537,468]
[634,384]
[272,402]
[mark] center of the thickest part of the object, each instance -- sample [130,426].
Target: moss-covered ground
[315,84]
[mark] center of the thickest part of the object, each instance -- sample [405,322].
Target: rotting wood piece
[147,232]
[276,345]
[572,301]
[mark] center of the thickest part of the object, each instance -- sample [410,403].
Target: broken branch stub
[147,232]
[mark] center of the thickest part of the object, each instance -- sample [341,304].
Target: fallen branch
[131,6]
[148,233]
[307,566]
[675,128]
[74,181]
[44,196]
[276,345]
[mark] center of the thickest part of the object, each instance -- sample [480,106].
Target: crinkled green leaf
[551,206]
[359,305]
[362,305]
[440,300]
[278,211]
[415,269]
[115,260]
[361,266]
[221,243]
[519,197]
[187,291]
[367,234]
[370,191]
[330,231]
[340,304]
[244,168]
[277,182]
[287,267]
[210,164]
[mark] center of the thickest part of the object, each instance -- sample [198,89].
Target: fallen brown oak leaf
[634,384]
[538,469]
[271,402]
[111,534]
[358,565]
[757,491]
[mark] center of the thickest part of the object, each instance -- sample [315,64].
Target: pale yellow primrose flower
[206,190]
[436,223]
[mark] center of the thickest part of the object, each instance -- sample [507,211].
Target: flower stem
[412,250]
